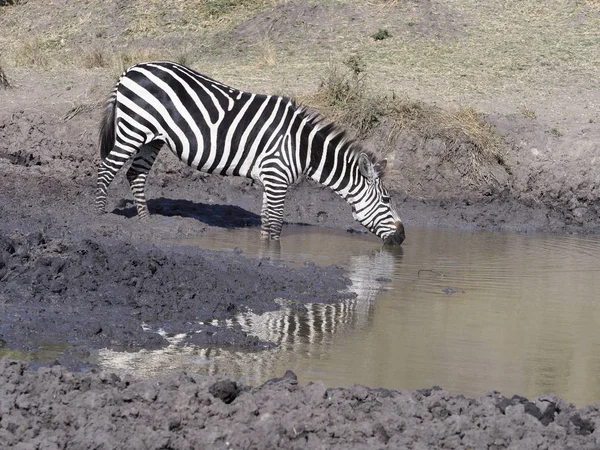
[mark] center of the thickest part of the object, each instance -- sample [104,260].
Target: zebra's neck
[332,159]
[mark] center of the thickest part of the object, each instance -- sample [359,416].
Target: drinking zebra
[217,129]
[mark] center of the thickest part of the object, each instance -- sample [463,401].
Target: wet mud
[93,295]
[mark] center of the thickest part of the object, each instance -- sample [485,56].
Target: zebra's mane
[325,127]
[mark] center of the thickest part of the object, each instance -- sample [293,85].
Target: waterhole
[468,311]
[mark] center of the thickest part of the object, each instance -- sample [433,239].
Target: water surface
[468,311]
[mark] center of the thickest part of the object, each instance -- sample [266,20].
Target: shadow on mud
[226,216]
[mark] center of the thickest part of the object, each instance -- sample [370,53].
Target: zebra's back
[208,125]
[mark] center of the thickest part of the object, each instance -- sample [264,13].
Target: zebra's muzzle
[396,238]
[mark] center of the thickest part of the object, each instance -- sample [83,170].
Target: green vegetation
[381,34]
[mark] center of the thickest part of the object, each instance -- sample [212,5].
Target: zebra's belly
[229,171]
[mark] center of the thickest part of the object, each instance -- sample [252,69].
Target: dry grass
[41,35]
[266,53]
[346,98]
[468,139]
[94,58]
[527,113]
[127,58]
[34,52]
[446,52]
[150,18]
[82,108]
[467,48]
[498,49]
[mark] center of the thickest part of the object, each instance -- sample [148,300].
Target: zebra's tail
[107,126]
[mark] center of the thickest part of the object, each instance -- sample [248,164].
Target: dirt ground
[70,276]
[54,408]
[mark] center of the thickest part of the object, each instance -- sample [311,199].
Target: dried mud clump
[100,409]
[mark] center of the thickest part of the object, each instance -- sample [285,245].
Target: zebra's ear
[380,167]
[366,166]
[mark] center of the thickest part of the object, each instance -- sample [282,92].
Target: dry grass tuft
[79,109]
[95,58]
[127,58]
[527,113]
[346,98]
[344,94]
[266,53]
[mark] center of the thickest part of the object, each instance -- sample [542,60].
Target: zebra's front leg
[272,212]
[137,174]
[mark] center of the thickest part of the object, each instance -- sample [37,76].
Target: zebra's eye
[385,199]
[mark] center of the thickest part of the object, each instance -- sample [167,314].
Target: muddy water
[468,311]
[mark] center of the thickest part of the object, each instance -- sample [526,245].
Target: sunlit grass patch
[266,53]
[153,17]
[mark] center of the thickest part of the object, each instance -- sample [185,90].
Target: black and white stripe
[217,129]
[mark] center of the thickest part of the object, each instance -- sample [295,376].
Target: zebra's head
[372,206]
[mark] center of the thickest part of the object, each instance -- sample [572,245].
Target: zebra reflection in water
[314,324]
[298,330]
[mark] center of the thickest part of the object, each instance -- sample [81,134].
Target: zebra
[215,128]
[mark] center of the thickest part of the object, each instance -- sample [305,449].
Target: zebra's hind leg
[272,211]
[137,174]
[106,173]
[265,227]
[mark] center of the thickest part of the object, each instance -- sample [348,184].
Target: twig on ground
[429,270]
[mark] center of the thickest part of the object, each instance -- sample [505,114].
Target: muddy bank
[53,408]
[94,295]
